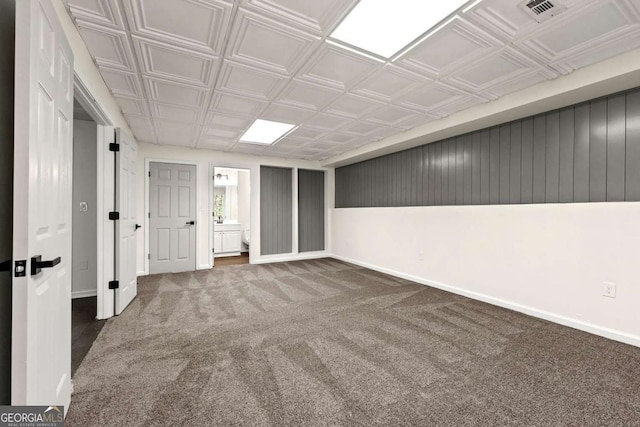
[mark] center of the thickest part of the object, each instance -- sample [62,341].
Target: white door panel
[172,209]
[126,226]
[41,334]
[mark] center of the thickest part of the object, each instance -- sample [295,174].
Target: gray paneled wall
[584,153]
[310,210]
[276,216]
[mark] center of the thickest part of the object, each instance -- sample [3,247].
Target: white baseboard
[84,294]
[268,259]
[531,311]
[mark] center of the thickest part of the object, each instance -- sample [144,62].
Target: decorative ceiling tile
[263,43]
[175,93]
[392,115]
[228,121]
[318,17]
[594,27]
[105,13]
[502,18]
[430,97]
[174,113]
[354,106]
[458,43]
[307,95]
[184,74]
[286,114]
[194,24]
[236,105]
[307,133]
[338,68]
[360,128]
[498,68]
[139,122]
[221,133]
[174,63]
[249,81]
[175,133]
[122,83]
[326,121]
[136,107]
[389,83]
[110,48]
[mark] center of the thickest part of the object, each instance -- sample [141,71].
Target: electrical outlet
[609,290]
[420,256]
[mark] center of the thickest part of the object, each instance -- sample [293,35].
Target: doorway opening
[84,273]
[231,216]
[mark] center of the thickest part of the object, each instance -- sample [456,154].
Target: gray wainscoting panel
[588,152]
[632,189]
[276,216]
[311,210]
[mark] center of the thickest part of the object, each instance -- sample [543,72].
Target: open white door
[41,331]
[126,227]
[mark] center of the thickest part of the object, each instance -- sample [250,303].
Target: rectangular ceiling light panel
[266,132]
[384,27]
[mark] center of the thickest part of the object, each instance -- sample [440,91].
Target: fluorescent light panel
[266,132]
[384,27]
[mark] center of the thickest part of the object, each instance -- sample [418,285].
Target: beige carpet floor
[324,343]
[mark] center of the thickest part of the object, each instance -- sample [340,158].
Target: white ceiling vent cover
[542,10]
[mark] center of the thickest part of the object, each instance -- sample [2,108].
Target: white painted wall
[205,159]
[548,260]
[244,201]
[85,227]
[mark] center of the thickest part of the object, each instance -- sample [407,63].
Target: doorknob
[138,226]
[190,223]
[37,264]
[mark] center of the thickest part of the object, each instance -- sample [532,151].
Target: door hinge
[149,215]
[114,146]
[114,284]
[148,256]
[114,216]
[149,174]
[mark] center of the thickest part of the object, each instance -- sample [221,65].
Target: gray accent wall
[310,210]
[276,215]
[588,152]
[7,61]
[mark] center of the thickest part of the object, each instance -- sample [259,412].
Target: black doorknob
[190,223]
[138,226]
[37,264]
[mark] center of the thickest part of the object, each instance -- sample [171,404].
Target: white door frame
[244,167]
[105,134]
[147,162]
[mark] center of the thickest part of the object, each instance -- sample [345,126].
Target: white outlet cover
[609,290]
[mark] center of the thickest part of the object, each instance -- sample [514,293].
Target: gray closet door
[172,229]
[310,210]
[276,216]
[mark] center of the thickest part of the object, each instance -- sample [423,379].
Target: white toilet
[246,235]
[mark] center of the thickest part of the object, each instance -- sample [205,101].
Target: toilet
[246,235]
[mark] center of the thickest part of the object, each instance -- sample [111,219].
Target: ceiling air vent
[542,10]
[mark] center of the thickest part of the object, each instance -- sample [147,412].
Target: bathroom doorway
[231,216]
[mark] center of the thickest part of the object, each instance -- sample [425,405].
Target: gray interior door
[172,218]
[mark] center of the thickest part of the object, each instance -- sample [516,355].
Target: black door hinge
[114,216]
[114,284]
[149,174]
[114,146]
